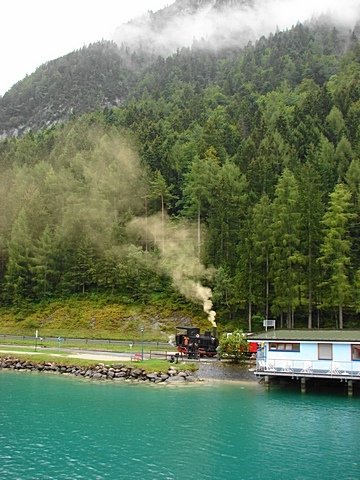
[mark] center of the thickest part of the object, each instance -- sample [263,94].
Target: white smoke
[232,26]
[205,295]
[176,243]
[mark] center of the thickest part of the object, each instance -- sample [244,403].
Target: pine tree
[335,250]
[311,207]
[18,277]
[286,257]
[261,245]
[199,187]
[227,212]
[160,190]
[43,265]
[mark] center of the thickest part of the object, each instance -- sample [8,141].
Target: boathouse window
[325,351]
[355,352]
[285,347]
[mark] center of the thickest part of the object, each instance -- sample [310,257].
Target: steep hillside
[226,175]
[199,41]
[92,78]
[99,318]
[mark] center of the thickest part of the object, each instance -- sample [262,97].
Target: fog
[230,26]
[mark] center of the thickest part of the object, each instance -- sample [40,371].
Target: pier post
[303,384]
[350,388]
[267,382]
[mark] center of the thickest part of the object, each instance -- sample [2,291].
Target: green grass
[98,316]
[153,365]
[104,346]
[46,358]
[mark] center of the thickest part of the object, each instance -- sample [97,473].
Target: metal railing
[330,368]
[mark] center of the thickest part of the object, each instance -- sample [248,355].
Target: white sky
[35,31]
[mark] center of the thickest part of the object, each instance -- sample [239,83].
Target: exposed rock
[176,379]
[100,371]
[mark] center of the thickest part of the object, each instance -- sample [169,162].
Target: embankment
[100,371]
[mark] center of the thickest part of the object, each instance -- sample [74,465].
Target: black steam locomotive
[193,344]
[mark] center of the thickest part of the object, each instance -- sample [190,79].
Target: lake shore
[207,372]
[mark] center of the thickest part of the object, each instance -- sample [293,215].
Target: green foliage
[335,250]
[233,346]
[286,256]
[101,316]
[250,143]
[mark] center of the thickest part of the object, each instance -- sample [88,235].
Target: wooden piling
[303,384]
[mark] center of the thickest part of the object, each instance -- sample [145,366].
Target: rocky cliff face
[91,78]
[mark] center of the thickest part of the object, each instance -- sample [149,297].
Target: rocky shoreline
[101,371]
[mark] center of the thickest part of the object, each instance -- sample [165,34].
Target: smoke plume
[177,246]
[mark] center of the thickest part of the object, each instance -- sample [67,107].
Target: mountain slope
[106,74]
[85,80]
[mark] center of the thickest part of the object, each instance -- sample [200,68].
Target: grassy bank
[99,317]
[153,365]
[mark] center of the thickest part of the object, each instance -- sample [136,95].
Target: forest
[236,170]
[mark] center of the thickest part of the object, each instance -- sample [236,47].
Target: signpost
[269,323]
[142,343]
[36,338]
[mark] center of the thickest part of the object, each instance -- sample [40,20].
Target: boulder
[176,379]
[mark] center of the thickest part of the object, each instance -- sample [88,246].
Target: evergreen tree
[81,273]
[261,245]
[227,212]
[160,190]
[343,157]
[199,186]
[335,251]
[311,208]
[286,257]
[18,277]
[44,267]
[335,125]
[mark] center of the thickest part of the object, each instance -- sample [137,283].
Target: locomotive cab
[191,342]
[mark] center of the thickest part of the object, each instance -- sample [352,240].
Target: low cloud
[232,25]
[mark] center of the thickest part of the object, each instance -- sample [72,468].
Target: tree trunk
[146,225]
[341,320]
[267,288]
[250,316]
[310,288]
[199,231]
[288,318]
[310,309]
[162,223]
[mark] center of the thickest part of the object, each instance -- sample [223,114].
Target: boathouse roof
[308,335]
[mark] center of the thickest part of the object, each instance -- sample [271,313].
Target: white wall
[309,352]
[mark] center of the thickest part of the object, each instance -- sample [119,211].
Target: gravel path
[225,371]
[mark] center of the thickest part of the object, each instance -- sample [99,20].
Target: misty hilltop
[187,34]
[218,24]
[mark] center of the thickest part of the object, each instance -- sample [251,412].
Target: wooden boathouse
[309,354]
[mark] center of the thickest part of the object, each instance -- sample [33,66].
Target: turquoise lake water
[53,427]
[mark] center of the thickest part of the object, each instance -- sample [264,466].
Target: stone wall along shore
[100,371]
